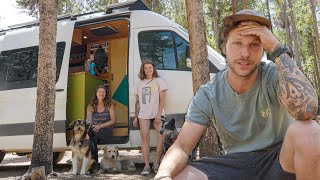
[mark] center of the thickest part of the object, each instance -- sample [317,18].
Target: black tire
[2,154]
[57,157]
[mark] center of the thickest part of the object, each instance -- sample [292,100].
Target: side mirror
[188,60]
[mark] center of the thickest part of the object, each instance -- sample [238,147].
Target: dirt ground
[13,167]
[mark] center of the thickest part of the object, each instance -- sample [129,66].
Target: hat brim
[230,20]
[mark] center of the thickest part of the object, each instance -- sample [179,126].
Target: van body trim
[20,129]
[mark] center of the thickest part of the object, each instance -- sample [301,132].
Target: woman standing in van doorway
[101,117]
[150,97]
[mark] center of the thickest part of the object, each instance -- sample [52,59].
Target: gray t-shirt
[251,121]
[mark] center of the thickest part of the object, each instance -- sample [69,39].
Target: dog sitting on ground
[170,133]
[83,159]
[111,162]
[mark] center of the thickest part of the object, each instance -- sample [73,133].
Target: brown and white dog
[111,162]
[81,147]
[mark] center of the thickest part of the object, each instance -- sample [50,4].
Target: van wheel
[2,154]
[57,157]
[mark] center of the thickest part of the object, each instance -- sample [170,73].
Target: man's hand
[268,40]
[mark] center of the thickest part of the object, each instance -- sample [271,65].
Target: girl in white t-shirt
[150,97]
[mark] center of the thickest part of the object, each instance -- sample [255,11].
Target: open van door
[18,86]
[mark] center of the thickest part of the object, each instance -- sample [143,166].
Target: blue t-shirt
[251,121]
[92,66]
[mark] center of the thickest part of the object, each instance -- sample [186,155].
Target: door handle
[59,90]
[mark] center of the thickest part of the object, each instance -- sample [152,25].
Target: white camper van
[127,33]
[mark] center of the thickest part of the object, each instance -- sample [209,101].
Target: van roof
[113,10]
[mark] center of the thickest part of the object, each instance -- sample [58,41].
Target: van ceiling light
[85,37]
[103,31]
[130,5]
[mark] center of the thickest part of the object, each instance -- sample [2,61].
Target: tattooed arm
[137,106]
[295,91]
[137,109]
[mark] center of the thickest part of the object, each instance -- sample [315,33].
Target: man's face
[243,54]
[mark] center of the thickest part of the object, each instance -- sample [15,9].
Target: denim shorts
[257,165]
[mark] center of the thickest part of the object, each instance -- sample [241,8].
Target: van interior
[106,44]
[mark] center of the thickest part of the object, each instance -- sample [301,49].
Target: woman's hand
[158,119]
[135,122]
[96,127]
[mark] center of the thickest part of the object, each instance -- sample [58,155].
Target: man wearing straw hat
[262,112]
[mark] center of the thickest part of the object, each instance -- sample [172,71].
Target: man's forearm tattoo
[296,92]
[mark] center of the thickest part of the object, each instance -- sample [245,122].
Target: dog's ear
[105,148]
[84,123]
[173,122]
[72,124]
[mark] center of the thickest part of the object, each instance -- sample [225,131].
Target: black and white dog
[170,133]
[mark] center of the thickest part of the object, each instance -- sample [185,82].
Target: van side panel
[18,105]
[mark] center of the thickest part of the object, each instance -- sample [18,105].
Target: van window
[158,45]
[18,67]
[181,48]
[167,49]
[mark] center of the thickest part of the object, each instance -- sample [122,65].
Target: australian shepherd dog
[83,160]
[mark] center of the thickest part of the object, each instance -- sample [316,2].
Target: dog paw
[74,173]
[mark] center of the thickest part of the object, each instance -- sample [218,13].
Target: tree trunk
[297,56]
[215,12]
[43,130]
[233,6]
[244,4]
[316,32]
[287,25]
[268,10]
[315,62]
[38,173]
[200,67]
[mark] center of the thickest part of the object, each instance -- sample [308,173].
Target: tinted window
[158,45]
[181,47]
[18,67]
[167,49]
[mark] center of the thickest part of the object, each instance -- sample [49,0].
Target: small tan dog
[111,163]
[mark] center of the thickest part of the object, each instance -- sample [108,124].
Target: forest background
[294,22]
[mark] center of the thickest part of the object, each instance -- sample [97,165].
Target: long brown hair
[142,75]
[94,100]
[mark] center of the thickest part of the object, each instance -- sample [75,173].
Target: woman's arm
[89,115]
[162,96]
[112,118]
